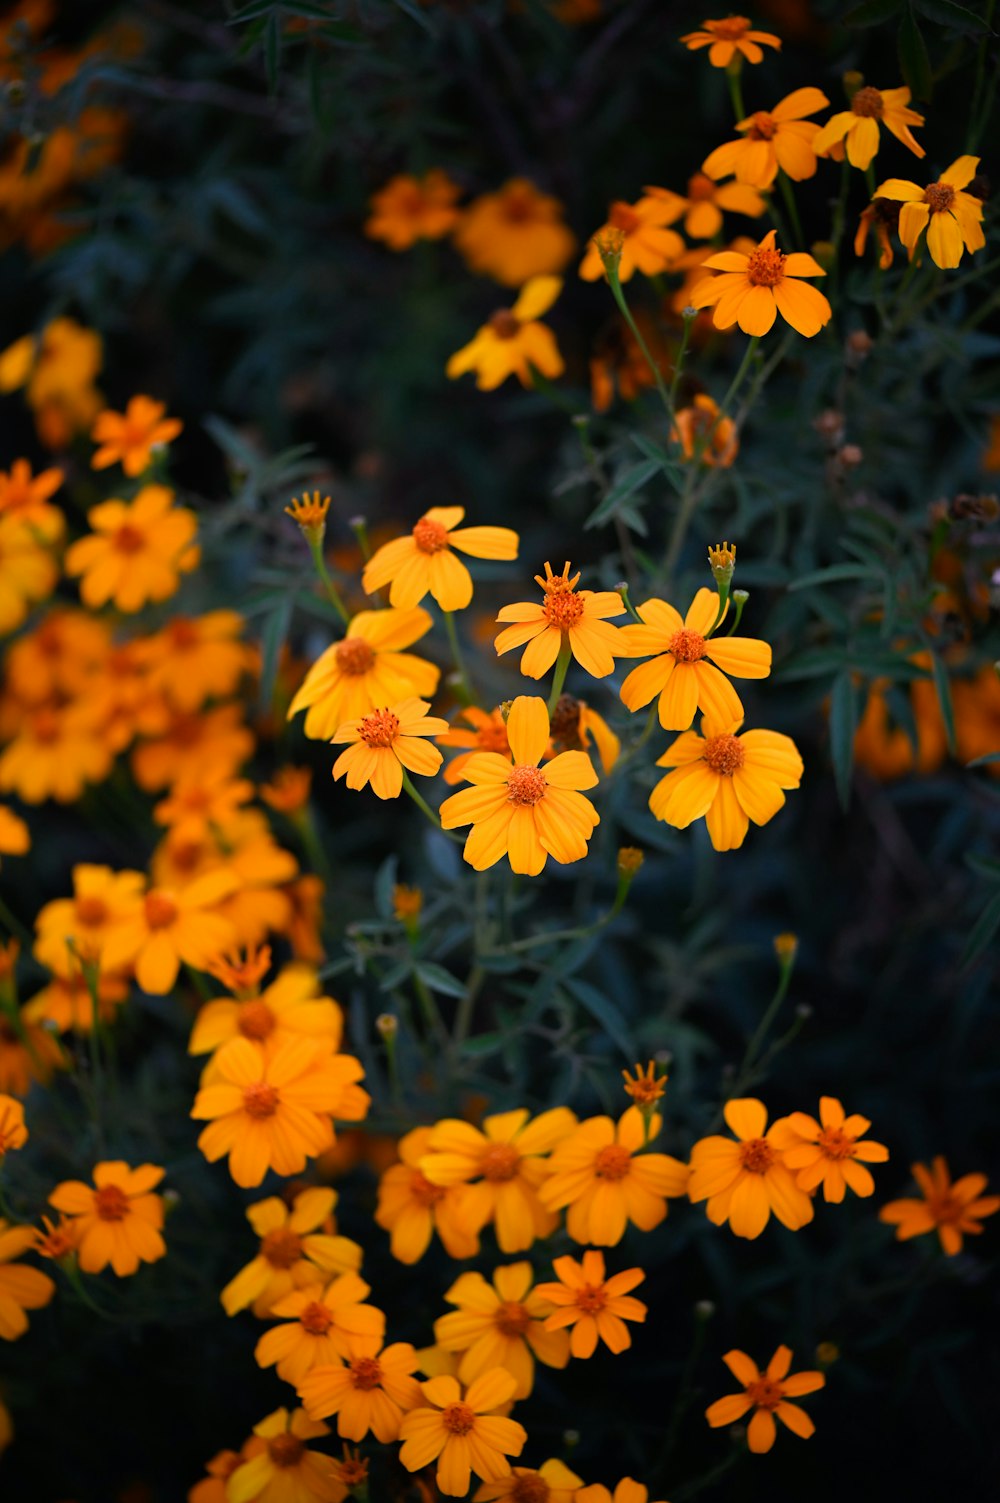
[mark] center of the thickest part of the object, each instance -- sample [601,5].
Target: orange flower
[729,38]
[513,341]
[883,215]
[65,656]
[385,742]
[828,1152]
[646,245]
[409,209]
[185,742]
[767,1394]
[411,1208]
[369,1391]
[575,725]
[136,552]
[27,1053]
[705,200]
[365,670]
[132,437]
[21,1288]
[627,1491]
[704,434]
[27,497]
[202,801]
[28,572]
[58,368]
[462,1433]
[743,1182]
[601,1172]
[594,1306]
[317,1326]
[297,1247]
[753,289]
[568,617]
[57,751]
[13,1133]
[770,139]
[169,927]
[553,1482]
[883,747]
[212,1489]
[195,658]
[283,1469]
[953,219]
[119,1222]
[15,837]
[617,358]
[291,1007]
[288,791]
[424,561]
[488,734]
[956,1210]
[500,1325]
[515,234]
[66,1003]
[857,130]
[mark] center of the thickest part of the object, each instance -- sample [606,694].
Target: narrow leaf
[843,724]
[913,58]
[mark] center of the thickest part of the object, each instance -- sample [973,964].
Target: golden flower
[132,438]
[424,562]
[953,1209]
[767,1394]
[26,496]
[21,1288]
[828,1152]
[627,1491]
[567,616]
[13,1133]
[291,1007]
[118,1222]
[27,1053]
[704,434]
[619,360]
[500,1324]
[753,289]
[515,234]
[202,801]
[283,1469]
[407,903]
[731,37]
[28,572]
[645,243]
[310,513]
[705,200]
[195,658]
[409,209]
[57,751]
[488,734]
[770,139]
[136,552]
[553,1482]
[594,1306]
[513,341]
[744,1181]
[317,1325]
[952,219]
[647,1086]
[65,1002]
[297,1249]
[385,742]
[184,741]
[462,1432]
[366,669]
[411,1208]
[369,1390]
[58,367]
[15,837]
[882,215]
[66,656]
[856,130]
[167,927]
[288,791]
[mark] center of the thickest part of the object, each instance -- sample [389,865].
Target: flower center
[281,1248]
[836,1144]
[423,1192]
[613,1162]
[765,1393]
[687,646]
[724,755]
[255,1019]
[160,910]
[430,537]
[765,267]
[354,656]
[756,1155]
[260,1100]
[623,217]
[763,128]
[530,1490]
[316,1319]
[129,539]
[525,786]
[948,1209]
[940,196]
[512,1319]
[500,1163]
[731,29]
[868,103]
[591,1298]
[518,206]
[285,1450]
[504,324]
[563,608]
[111,1203]
[366,1373]
[45,727]
[183,634]
[700,188]
[458,1418]
[90,912]
[380,728]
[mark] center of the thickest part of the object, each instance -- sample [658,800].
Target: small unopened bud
[850,456]
[609,243]
[786,946]
[830,425]
[171,1200]
[310,513]
[852,81]
[827,1353]
[407,903]
[505,708]
[704,1309]
[803,1011]
[387,1025]
[630,860]
[571,1438]
[722,562]
[859,343]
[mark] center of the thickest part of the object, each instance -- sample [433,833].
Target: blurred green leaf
[949,14]
[843,724]
[983,931]
[914,59]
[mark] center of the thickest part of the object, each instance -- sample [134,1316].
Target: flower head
[727,778]
[744,1181]
[767,1394]
[500,1324]
[705,201]
[731,37]
[118,1220]
[769,140]
[882,215]
[953,1209]
[594,1306]
[21,1288]
[195,658]
[369,1390]
[602,1173]
[646,1085]
[567,616]
[28,571]
[829,1152]
[13,1133]
[310,513]
[15,837]
[411,1207]
[753,289]
[705,434]
[856,130]
[283,1469]
[553,1482]
[290,1007]
[514,341]
[131,438]
[627,1491]
[425,562]
[462,1431]
[365,669]
[515,234]
[952,218]
[297,1248]
[136,551]
[640,239]
[169,927]
[288,790]
[317,1326]
[27,497]
[409,209]
[384,742]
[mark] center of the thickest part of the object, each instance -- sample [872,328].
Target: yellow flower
[13,1133]
[365,670]
[462,1433]
[731,37]
[310,513]
[409,209]
[21,1288]
[136,552]
[744,1181]
[201,801]
[317,1325]
[291,1007]
[705,200]
[195,658]
[118,1222]
[370,1390]
[166,928]
[133,437]
[594,1306]
[553,1482]
[411,1208]
[646,1086]
[297,1247]
[828,1152]
[952,219]
[385,742]
[514,341]
[288,791]
[627,1491]
[767,1394]
[66,1003]
[770,139]
[424,561]
[26,496]
[753,289]
[704,434]
[58,368]
[646,245]
[856,130]
[28,572]
[954,1209]
[567,617]
[15,837]
[500,1325]
[515,234]
[57,751]
[285,1470]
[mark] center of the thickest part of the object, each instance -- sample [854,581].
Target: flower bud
[630,860]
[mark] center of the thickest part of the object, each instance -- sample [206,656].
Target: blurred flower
[513,342]
[202,800]
[977,714]
[134,437]
[26,497]
[288,791]
[462,1432]
[857,130]
[644,242]
[409,209]
[594,1306]
[21,1288]
[364,670]
[407,903]
[500,1324]
[168,927]
[705,200]
[646,1087]
[212,1489]
[136,551]
[574,725]
[954,1209]
[317,1324]
[284,1470]
[118,1222]
[424,561]
[297,1249]
[385,742]
[65,1003]
[882,214]
[704,434]
[15,837]
[58,368]
[181,742]
[28,572]
[618,360]
[290,1008]
[57,1240]
[553,1482]
[602,1174]
[57,750]
[515,234]
[952,219]
[752,290]
[779,138]
[64,657]
[566,617]
[369,1391]
[729,38]
[828,1152]
[767,1394]
[627,1491]
[195,658]
[13,1133]
[744,1181]
[884,748]
[411,1208]
[27,1054]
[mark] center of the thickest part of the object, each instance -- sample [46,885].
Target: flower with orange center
[685,662]
[200,801]
[639,229]
[515,234]
[384,742]
[409,209]
[297,1248]
[411,1208]
[13,1133]
[58,749]
[502,1165]
[725,778]
[462,1432]
[369,1391]
[195,658]
[753,289]
[646,1085]
[212,1488]
[595,1307]
[27,1053]
[291,1007]
[136,551]
[856,130]
[366,669]
[732,37]
[21,1288]
[168,928]
[771,139]
[182,742]
[627,1491]
[58,369]
[518,809]
[118,1220]
[132,438]
[488,734]
[513,342]
[567,618]
[424,561]
[767,1394]
[829,1152]
[952,218]
[15,837]
[66,655]
[28,572]
[954,1210]
[704,434]
[553,1482]
[274,1110]
[26,497]
[500,1325]
[283,1469]
[66,1003]
[603,1175]
[705,200]
[317,1324]
[744,1181]
[288,791]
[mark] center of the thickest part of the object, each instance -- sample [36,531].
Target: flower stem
[736,88]
[420,801]
[562,664]
[792,207]
[465,693]
[316,549]
[614,282]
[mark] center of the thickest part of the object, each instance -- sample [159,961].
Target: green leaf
[914,59]
[873,12]
[982,931]
[835,572]
[440,980]
[947,13]
[943,687]
[272,639]
[982,761]
[605,1013]
[632,481]
[843,724]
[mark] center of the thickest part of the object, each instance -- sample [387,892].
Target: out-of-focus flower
[952,218]
[384,742]
[118,1220]
[132,438]
[21,1288]
[705,434]
[767,1394]
[856,130]
[411,1208]
[288,791]
[731,37]
[619,362]
[770,139]
[627,1491]
[283,1469]
[424,562]
[13,1133]
[28,571]
[136,552]
[514,342]
[954,1209]
[366,669]
[462,1432]
[639,229]
[743,1181]
[15,837]
[66,1004]
[195,658]
[882,215]
[752,290]
[56,751]
[705,200]
[594,1306]
[884,748]
[58,368]
[515,234]
[409,209]
[26,497]
[553,1482]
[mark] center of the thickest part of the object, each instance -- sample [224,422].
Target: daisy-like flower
[369,1391]
[288,791]
[57,751]
[297,1248]
[575,725]
[954,1210]
[66,1003]
[769,140]
[169,927]
[292,1006]
[640,230]
[744,1181]
[601,1172]
[500,1325]
[284,1470]
[384,742]
[28,572]
[27,1053]
[767,1394]
[705,201]
[118,1220]
[367,668]
[952,218]
[275,1111]
[725,778]
[515,234]
[197,802]
[567,617]
[829,1152]
[212,1488]
[411,1208]
[424,561]
[731,37]
[409,209]
[13,1133]
[462,1432]
[514,341]
[753,289]
[502,1165]
[488,734]
[705,434]
[21,1288]
[131,438]
[627,1491]
[518,809]
[856,130]
[316,1326]
[27,497]
[685,662]
[136,551]
[553,1482]
[595,1307]
[195,658]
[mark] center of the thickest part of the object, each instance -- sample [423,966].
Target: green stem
[614,283]
[793,210]
[679,359]
[685,1392]
[316,549]
[764,1026]
[562,665]
[544,385]
[420,801]
[465,693]
[736,88]
[737,380]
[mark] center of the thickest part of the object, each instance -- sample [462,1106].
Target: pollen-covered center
[90,911]
[868,103]
[724,755]
[530,1490]
[766,267]
[687,646]
[285,1450]
[458,1418]
[423,1192]
[756,1155]
[512,1319]
[504,324]
[111,1203]
[563,608]
[613,1162]
[354,656]
[623,217]
[836,1144]
[765,1393]
[500,1163]
[260,1100]
[160,910]
[255,1020]
[763,128]
[525,786]
[316,1318]
[701,188]
[379,729]
[730,29]
[366,1373]
[282,1248]
[940,196]
[129,539]
[591,1298]
[429,536]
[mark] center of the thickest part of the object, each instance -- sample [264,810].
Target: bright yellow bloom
[424,561]
[21,1288]
[515,234]
[704,434]
[828,1152]
[202,801]
[744,1181]
[595,1307]
[767,1394]
[285,1470]
[513,341]
[685,669]
[646,244]
[411,1208]
[26,497]
[365,670]
[728,779]
[118,1222]
[13,1133]
[553,1482]
[627,1491]
[462,1433]
[66,656]
[291,1007]
[187,741]
[167,927]
[606,1179]
[575,724]
[567,617]
[705,200]
[856,130]
[370,1390]
[58,368]
[500,1325]
[952,219]
[409,209]
[753,289]
[15,837]
[195,658]
[297,1248]
[57,751]
[954,1210]
[731,37]
[136,552]
[28,572]
[384,742]
[770,139]
[518,809]
[317,1325]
